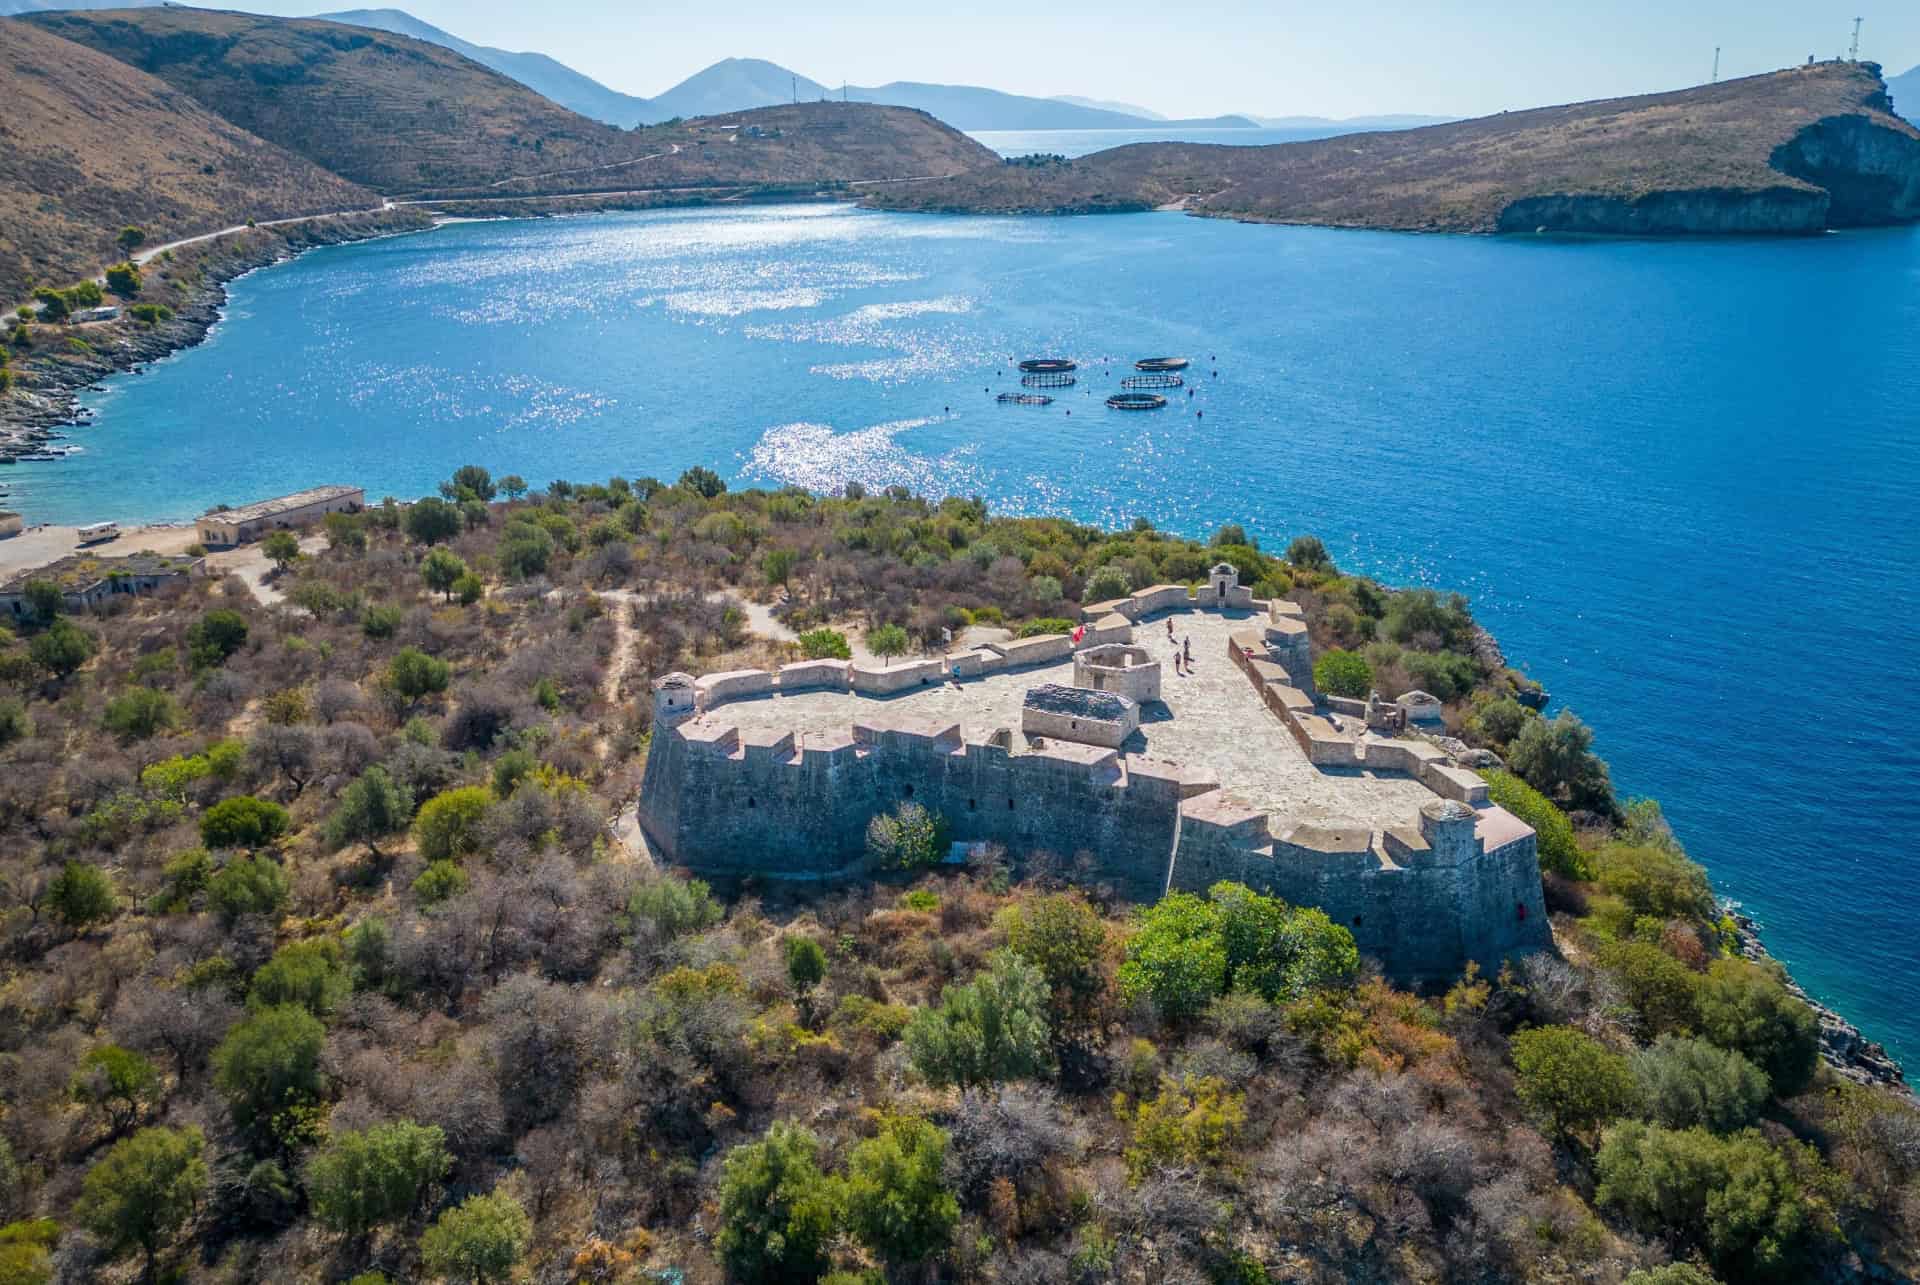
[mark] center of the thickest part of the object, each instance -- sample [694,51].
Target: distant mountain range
[1905,90]
[13,8]
[1353,124]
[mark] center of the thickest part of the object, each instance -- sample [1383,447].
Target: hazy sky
[1196,57]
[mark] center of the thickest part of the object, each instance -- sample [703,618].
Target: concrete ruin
[1236,770]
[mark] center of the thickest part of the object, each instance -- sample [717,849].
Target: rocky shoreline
[50,378]
[1842,1045]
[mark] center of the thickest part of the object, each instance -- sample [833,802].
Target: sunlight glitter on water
[820,459]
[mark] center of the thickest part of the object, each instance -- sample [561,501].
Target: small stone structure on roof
[1078,714]
[1421,707]
[1118,667]
[223,528]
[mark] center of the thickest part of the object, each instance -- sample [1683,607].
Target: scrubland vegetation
[323,964]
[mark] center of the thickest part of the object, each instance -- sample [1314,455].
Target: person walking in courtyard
[1189,651]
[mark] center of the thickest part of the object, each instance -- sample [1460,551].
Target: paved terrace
[1212,724]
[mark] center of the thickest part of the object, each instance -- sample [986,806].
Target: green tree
[673,907]
[62,648]
[1062,936]
[441,568]
[1556,757]
[1309,554]
[248,886]
[1737,1198]
[1671,1274]
[1105,584]
[1686,1082]
[370,809]
[312,974]
[215,636]
[282,549]
[124,279]
[1748,1009]
[118,1081]
[525,549]
[990,1029]
[1569,1080]
[1193,1122]
[703,482]
[777,565]
[81,896]
[53,305]
[140,713]
[1343,673]
[46,599]
[131,239]
[432,521]
[242,822]
[1176,957]
[1185,952]
[888,641]
[1558,850]
[513,486]
[363,1178]
[825,644]
[469,482]
[26,1251]
[439,881]
[1661,989]
[412,675]
[479,1241]
[778,1211]
[897,1200]
[908,838]
[269,1065]
[806,964]
[1655,880]
[448,825]
[468,589]
[142,1194]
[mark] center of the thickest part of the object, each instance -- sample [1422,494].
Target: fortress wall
[1451,782]
[872,680]
[1100,610]
[1035,651]
[1162,597]
[972,664]
[1113,628]
[815,675]
[738,684]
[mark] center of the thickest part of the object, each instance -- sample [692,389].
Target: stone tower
[674,699]
[1221,582]
[1448,827]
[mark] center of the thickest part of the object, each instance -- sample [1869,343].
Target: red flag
[1079,632]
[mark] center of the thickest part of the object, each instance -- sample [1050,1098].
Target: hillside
[1791,151]
[89,145]
[331,955]
[384,110]
[546,76]
[733,85]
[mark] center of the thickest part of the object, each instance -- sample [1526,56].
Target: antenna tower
[1853,54]
[1716,64]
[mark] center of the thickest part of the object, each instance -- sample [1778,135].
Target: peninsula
[1102,897]
[1793,151]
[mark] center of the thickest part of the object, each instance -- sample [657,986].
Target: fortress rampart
[1458,880]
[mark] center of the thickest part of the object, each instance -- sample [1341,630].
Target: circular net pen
[1152,381]
[1136,401]
[1024,399]
[1048,379]
[1048,366]
[1161,365]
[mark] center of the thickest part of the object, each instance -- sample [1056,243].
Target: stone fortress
[1131,774]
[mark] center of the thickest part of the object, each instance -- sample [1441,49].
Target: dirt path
[673,149]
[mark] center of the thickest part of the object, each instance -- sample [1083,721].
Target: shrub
[364,1178]
[248,886]
[778,1211]
[1193,1121]
[480,1240]
[991,1029]
[150,314]
[1685,1083]
[1185,952]
[440,569]
[268,1066]
[468,589]
[1656,881]
[1556,757]
[1309,554]
[1343,673]
[1570,1080]
[141,712]
[242,822]
[215,636]
[1659,987]
[908,838]
[62,648]
[121,1082]
[1106,584]
[312,974]
[897,1202]
[1045,626]
[703,482]
[381,620]
[370,809]
[413,674]
[439,881]
[143,1192]
[1062,936]
[124,279]
[672,907]
[525,549]
[432,521]
[449,824]
[825,644]
[14,723]
[806,963]
[1736,1197]
[1559,853]
[81,896]
[1748,1009]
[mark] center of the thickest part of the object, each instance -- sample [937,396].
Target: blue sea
[1676,478]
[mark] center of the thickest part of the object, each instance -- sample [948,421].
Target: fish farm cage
[1048,366]
[1048,379]
[1152,381]
[1161,365]
[1024,399]
[1136,401]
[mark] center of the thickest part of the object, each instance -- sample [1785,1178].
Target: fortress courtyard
[1210,724]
